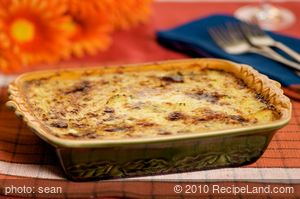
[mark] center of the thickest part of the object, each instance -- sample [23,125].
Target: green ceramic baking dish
[84,160]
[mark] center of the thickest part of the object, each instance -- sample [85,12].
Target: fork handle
[287,50]
[270,53]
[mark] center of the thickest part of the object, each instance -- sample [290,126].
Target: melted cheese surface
[146,104]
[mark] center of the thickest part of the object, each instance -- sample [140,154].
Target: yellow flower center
[70,27]
[22,30]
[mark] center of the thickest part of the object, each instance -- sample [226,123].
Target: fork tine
[246,29]
[252,29]
[216,33]
[235,31]
[230,29]
[217,37]
[227,35]
[224,32]
[258,30]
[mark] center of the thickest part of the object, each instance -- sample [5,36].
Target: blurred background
[42,34]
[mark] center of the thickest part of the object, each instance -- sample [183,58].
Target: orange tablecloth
[21,149]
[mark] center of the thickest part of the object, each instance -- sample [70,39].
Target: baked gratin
[145,103]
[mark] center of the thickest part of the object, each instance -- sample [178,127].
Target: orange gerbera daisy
[9,61]
[31,26]
[128,13]
[88,29]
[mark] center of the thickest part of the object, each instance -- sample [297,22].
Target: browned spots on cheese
[145,123]
[108,110]
[176,78]
[40,81]
[91,134]
[59,124]
[268,105]
[165,133]
[78,125]
[109,118]
[173,116]
[72,135]
[240,84]
[211,97]
[82,86]
[115,128]
[207,115]
[238,118]
[91,114]
[136,105]
[75,110]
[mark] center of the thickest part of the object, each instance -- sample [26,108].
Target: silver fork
[259,37]
[231,39]
[232,42]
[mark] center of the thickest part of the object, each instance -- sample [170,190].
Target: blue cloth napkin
[193,39]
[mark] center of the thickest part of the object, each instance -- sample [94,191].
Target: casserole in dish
[155,118]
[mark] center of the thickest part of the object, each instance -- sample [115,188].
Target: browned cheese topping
[146,104]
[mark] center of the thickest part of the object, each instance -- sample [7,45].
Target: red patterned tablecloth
[26,160]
